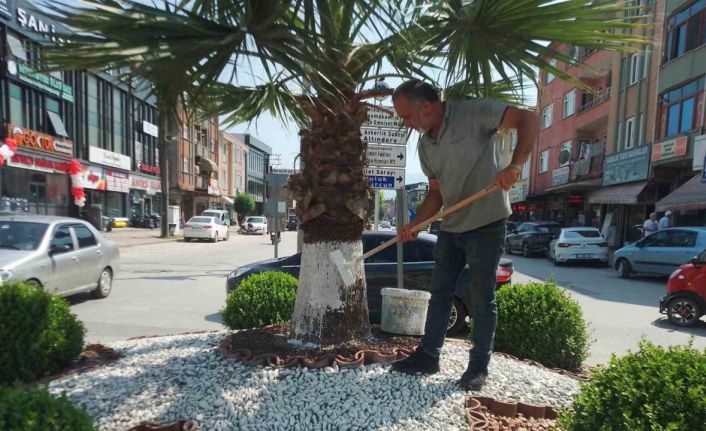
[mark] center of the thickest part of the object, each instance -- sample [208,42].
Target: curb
[489,414]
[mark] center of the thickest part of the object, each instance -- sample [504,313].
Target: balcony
[591,100]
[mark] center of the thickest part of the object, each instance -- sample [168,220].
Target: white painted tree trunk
[326,311]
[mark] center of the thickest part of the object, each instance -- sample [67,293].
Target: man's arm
[431,205]
[527,125]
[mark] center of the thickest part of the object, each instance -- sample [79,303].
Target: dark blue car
[381,271]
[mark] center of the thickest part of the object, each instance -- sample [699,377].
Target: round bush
[37,410]
[653,389]
[538,321]
[261,299]
[40,335]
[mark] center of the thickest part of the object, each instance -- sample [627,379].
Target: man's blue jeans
[480,249]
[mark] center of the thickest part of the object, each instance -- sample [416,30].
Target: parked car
[577,244]
[255,224]
[292,223]
[685,301]
[222,216]
[385,225]
[61,255]
[202,227]
[531,237]
[381,271]
[660,253]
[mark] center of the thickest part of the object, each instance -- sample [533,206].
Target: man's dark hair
[416,91]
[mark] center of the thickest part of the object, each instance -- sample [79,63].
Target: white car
[255,224]
[202,227]
[578,243]
[385,225]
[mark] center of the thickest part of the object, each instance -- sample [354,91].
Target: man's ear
[425,107]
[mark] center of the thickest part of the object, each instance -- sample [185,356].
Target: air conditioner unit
[564,157]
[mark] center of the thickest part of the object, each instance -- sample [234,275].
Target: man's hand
[405,233]
[508,177]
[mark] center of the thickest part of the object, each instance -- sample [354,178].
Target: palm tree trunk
[332,195]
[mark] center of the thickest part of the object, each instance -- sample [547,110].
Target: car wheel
[526,252]
[34,282]
[105,284]
[508,250]
[187,239]
[457,320]
[215,237]
[624,269]
[683,311]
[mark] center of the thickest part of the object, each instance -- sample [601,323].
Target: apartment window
[550,76]
[573,52]
[525,171]
[629,132]
[678,108]
[118,121]
[570,103]
[686,30]
[547,114]
[637,4]
[17,106]
[544,161]
[565,154]
[93,115]
[186,166]
[16,47]
[634,68]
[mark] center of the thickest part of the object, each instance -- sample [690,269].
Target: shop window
[57,124]
[686,30]
[16,47]
[17,116]
[93,115]
[84,237]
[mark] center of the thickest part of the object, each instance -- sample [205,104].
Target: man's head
[419,106]
[653,216]
[668,213]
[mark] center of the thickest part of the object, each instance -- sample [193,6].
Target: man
[457,155]
[651,226]
[665,221]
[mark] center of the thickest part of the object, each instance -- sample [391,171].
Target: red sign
[524,207]
[39,141]
[668,149]
[575,199]
[144,167]
[38,164]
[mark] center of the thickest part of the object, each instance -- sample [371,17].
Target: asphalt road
[177,287]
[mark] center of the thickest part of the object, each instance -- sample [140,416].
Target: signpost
[384,136]
[385,178]
[387,155]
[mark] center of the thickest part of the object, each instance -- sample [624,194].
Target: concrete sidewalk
[131,236]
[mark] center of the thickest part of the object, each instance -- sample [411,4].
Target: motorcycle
[147,222]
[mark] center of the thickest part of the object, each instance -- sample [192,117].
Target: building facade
[108,126]
[505,143]
[256,167]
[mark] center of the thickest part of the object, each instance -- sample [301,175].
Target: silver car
[60,254]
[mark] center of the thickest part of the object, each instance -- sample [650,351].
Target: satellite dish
[564,157]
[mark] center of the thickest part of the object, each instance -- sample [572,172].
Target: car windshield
[582,234]
[201,220]
[212,214]
[255,220]
[547,228]
[20,235]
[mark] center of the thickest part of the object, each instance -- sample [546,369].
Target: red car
[685,301]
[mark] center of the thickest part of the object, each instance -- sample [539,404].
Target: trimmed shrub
[37,410]
[655,389]
[40,335]
[261,299]
[538,321]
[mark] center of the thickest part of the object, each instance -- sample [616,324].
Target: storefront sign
[44,82]
[6,8]
[517,193]
[150,129]
[213,188]
[31,22]
[117,181]
[109,158]
[668,149]
[574,199]
[95,178]
[151,186]
[627,166]
[38,164]
[144,167]
[41,142]
[699,152]
[560,176]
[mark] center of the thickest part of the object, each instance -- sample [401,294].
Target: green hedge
[261,299]
[654,389]
[39,334]
[539,321]
[37,410]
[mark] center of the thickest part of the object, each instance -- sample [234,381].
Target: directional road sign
[383,118]
[387,155]
[385,178]
[384,136]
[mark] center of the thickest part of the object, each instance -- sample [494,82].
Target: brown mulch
[269,346]
[181,425]
[93,356]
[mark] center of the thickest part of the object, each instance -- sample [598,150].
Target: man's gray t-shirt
[463,160]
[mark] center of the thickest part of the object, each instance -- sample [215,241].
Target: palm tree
[311,62]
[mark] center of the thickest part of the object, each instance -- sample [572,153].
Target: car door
[514,239]
[90,257]
[64,264]
[681,247]
[649,253]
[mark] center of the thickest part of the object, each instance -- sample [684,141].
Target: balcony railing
[598,98]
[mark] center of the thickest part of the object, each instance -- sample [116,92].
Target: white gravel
[185,377]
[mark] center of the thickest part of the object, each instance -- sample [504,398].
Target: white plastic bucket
[404,311]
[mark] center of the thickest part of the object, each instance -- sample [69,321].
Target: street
[175,287]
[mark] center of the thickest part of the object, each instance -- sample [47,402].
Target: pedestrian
[665,221]
[651,225]
[457,155]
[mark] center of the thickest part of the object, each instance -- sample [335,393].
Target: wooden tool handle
[457,206]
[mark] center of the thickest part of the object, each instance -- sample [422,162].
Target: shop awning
[576,186]
[690,196]
[206,165]
[626,194]
[227,200]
